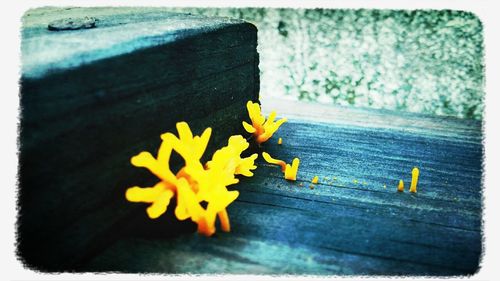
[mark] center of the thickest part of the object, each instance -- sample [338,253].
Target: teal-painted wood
[92,98]
[348,223]
[77,104]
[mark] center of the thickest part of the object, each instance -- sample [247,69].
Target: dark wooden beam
[92,98]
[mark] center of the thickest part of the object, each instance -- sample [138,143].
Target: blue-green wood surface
[90,99]
[352,222]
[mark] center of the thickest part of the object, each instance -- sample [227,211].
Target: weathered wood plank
[117,32]
[347,225]
[92,98]
[80,125]
[432,126]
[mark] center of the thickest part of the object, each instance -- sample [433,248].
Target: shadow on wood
[86,111]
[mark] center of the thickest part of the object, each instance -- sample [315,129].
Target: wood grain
[91,99]
[348,223]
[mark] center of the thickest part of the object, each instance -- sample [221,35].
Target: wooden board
[352,222]
[93,98]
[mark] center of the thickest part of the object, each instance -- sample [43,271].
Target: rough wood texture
[349,223]
[92,98]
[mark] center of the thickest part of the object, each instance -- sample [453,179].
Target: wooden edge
[373,118]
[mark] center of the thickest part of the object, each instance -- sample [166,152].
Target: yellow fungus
[355,181]
[226,162]
[194,183]
[334,178]
[315,179]
[280,141]
[414,179]
[385,186]
[224,220]
[261,128]
[159,196]
[271,160]
[401,186]
[289,170]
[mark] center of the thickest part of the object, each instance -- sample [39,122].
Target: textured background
[424,61]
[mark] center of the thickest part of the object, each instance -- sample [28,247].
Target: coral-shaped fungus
[194,183]
[261,128]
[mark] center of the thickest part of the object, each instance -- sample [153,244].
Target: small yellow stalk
[401,186]
[315,179]
[414,179]
[224,221]
[291,170]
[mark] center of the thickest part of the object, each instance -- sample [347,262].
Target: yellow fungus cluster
[194,183]
[263,130]
[201,190]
